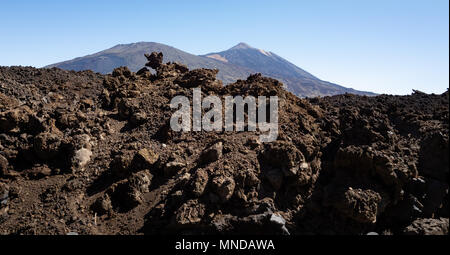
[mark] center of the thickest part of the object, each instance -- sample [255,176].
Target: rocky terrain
[85,153]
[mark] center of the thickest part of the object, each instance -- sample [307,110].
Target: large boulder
[428,227]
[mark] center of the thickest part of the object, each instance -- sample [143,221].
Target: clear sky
[384,46]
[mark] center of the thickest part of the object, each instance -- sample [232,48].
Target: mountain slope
[263,61]
[132,56]
[236,63]
[296,80]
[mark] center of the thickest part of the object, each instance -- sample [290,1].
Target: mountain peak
[237,63]
[241,46]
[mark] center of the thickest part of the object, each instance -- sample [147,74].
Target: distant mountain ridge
[263,61]
[236,63]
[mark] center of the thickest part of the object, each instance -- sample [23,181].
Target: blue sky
[384,46]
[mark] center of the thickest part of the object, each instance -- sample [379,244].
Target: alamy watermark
[234,108]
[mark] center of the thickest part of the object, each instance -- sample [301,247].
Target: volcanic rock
[46,145]
[82,157]
[190,212]
[428,227]
[223,187]
[102,205]
[173,168]
[145,158]
[199,182]
[345,164]
[212,154]
[3,166]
